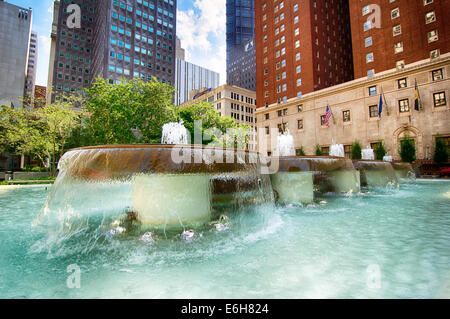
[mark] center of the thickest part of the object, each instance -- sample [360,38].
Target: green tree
[130,112]
[22,132]
[356,151]
[380,151]
[300,151]
[216,130]
[58,119]
[408,150]
[319,151]
[440,151]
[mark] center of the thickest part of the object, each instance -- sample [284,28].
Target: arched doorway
[411,132]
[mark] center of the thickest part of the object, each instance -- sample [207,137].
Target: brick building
[301,46]
[392,34]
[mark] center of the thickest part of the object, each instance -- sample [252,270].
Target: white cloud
[202,31]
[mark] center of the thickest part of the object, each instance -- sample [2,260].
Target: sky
[201,26]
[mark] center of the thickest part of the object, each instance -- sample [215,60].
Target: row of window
[439,100]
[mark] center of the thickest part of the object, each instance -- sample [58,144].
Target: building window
[373,111]
[322,120]
[433,36]
[346,116]
[267,116]
[300,124]
[403,106]
[372,90]
[348,151]
[430,17]
[326,151]
[402,83]
[437,75]
[300,108]
[439,99]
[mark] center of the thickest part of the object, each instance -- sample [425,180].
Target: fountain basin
[404,171]
[376,173]
[162,185]
[316,173]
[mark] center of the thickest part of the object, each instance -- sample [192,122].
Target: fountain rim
[308,157]
[157,146]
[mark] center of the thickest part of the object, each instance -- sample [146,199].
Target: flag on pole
[417,101]
[328,116]
[380,105]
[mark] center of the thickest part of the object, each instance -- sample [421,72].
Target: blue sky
[201,26]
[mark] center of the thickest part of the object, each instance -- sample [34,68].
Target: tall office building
[241,62]
[15,26]
[391,34]
[189,77]
[117,39]
[32,67]
[301,47]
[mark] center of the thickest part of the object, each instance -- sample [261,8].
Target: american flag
[328,116]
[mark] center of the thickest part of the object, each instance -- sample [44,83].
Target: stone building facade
[232,101]
[355,108]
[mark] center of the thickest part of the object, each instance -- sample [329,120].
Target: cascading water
[175,134]
[286,145]
[368,154]
[337,150]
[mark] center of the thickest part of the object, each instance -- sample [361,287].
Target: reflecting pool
[377,244]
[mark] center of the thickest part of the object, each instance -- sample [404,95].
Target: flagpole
[385,102]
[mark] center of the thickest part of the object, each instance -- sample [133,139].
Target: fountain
[286,144]
[175,134]
[299,177]
[368,154]
[404,171]
[156,185]
[337,150]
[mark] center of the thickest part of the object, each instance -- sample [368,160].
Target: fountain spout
[286,144]
[175,134]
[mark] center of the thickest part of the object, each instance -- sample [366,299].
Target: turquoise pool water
[382,244]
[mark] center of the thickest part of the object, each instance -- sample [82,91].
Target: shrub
[356,151]
[380,151]
[440,152]
[408,150]
[301,152]
[319,151]
[36,169]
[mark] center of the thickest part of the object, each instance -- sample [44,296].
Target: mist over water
[322,250]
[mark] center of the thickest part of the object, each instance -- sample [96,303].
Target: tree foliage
[356,151]
[130,112]
[39,133]
[216,130]
[440,151]
[408,150]
[380,151]
[319,151]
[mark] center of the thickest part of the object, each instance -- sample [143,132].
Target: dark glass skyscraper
[117,39]
[241,63]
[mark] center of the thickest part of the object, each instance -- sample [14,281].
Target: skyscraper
[301,47]
[32,66]
[117,39]
[189,77]
[389,35]
[241,62]
[15,26]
